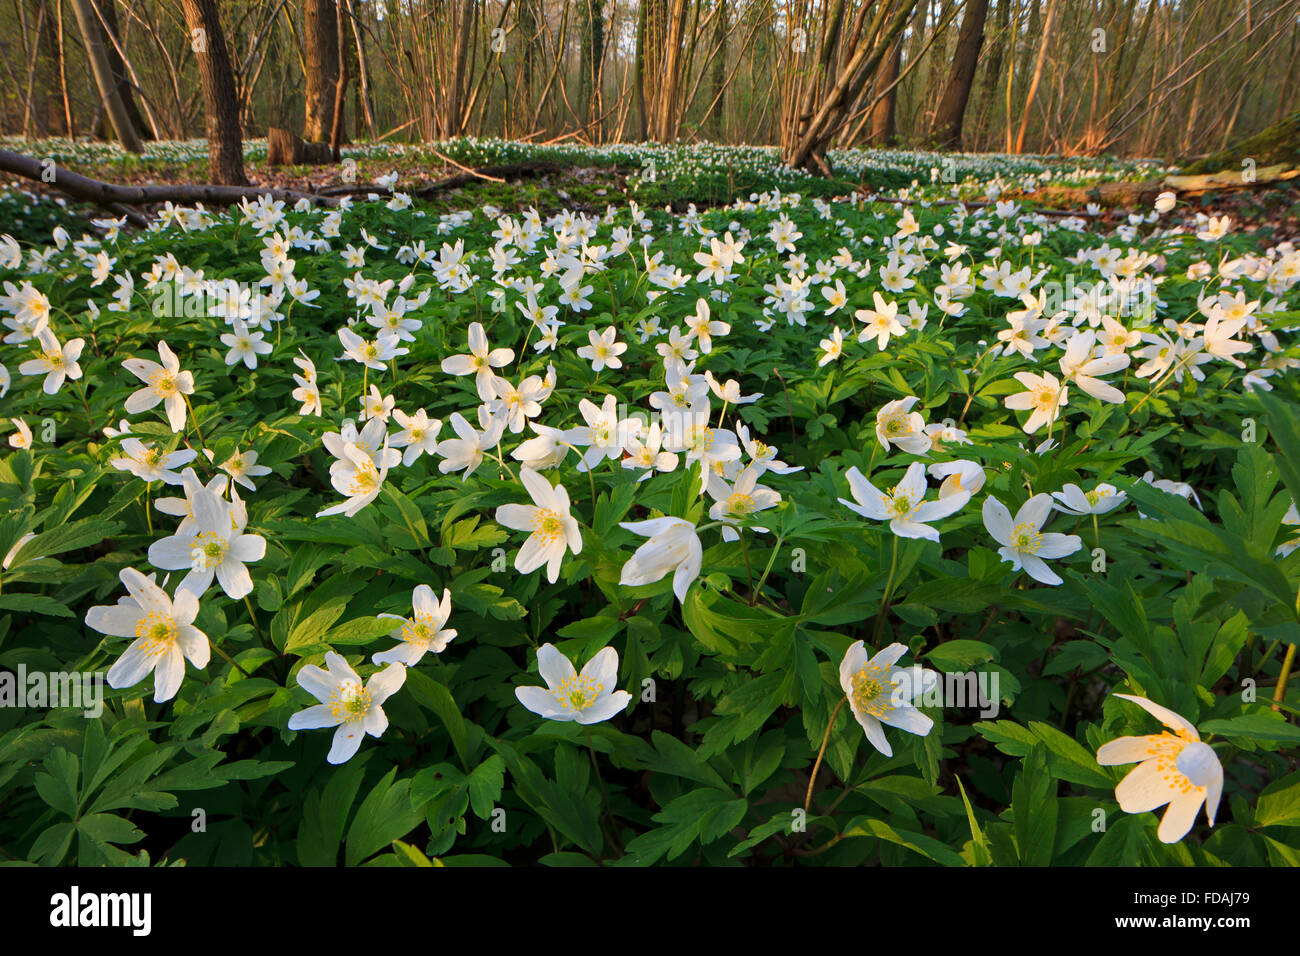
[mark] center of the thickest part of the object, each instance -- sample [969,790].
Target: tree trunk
[884,126]
[719,77]
[92,39]
[341,85]
[121,74]
[225,139]
[952,106]
[1038,75]
[321,53]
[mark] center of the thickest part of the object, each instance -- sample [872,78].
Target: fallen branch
[110,195]
[488,173]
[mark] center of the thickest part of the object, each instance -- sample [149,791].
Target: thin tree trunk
[88,24]
[1038,75]
[952,106]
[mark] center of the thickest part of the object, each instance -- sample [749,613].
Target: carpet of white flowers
[891,529]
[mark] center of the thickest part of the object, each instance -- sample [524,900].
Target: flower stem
[889,590]
[1279,692]
[229,660]
[194,418]
[812,778]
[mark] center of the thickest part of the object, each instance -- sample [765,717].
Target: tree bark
[225,138]
[121,74]
[92,39]
[951,113]
[884,126]
[112,194]
[321,54]
[1038,75]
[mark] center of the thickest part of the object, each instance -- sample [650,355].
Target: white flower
[1175,769]
[1044,394]
[56,363]
[244,345]
[673,545]
[831,347]
[880,693]
[424,631]
[1077,366]
[150,463]
[466,451]
[604,350]
[1165,202]
[164,634]
[480,361]
[904,505]
[554,529]
[588,697]
[307,391]
[648,454]
[183,508]
[1023,542]
[703,328]
[419,435]
[880,323]
[1073,500]
[961,477]
[243,467]
[215,546]
[897,423]
[344,703]
[21,438]
[359,475]
[740,500]
[165,383]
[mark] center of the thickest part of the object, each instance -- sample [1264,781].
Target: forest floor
[561,180]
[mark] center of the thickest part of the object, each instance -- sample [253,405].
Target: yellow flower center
[164,383]
[548,525]
[349,701]
[1026,539]
[208,551]
[158,632]
[900,503]
[54,359]
[897,424]
[578,692]
[420,630]
[740,504]
[365,480]
[868,691]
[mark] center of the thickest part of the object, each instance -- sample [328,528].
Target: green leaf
[1033,801]
[58,786]
[408,855]
[927,847]
[485,785]
[979,844]
[384,816]
[1253,727]
[109,828]
[324,815]
[1279,803]
[433,695]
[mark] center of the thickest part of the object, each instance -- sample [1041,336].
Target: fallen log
[109,195]
[1231,179]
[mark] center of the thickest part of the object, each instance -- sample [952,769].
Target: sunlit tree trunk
[225,139]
